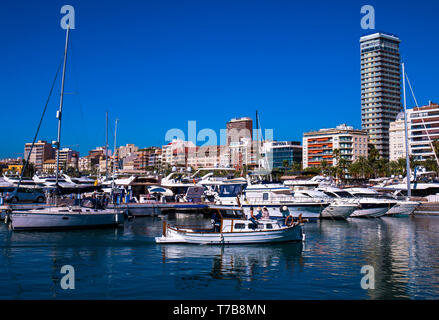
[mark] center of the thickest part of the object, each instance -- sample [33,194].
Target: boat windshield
[366,195]
[344,194]
[231,190]
[231,213]
[330,194]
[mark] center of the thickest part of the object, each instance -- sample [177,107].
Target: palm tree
[360,168]
[373,157]
[324,166]
[285,164]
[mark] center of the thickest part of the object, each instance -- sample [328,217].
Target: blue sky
[156,65]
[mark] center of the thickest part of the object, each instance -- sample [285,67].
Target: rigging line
[422,118]
[39,125]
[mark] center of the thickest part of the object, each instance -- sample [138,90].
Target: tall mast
[407,156]
[106,146]
[115,151]
[59,113]
[257,138]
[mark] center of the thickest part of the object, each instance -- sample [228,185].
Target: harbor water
[126,263]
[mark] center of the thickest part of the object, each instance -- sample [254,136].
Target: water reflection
[126,263]
[238,262]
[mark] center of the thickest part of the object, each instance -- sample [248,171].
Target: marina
[126,262]
[231,163]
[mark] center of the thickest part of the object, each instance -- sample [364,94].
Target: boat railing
[276,200]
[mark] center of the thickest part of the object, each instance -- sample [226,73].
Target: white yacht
[118,182]
[50,182]
[272,196]
[402,207]
[368,207]
[82,184]
[308,184]
[66,217]
[338,209]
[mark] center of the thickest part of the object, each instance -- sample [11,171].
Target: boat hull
[49,221]
[338,211]
[287,234]
[371,211]
[403,209]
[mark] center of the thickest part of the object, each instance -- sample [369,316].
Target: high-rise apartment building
[380,87]
[239,128]
[41,152]
[68,158]
[397,145]
[423,128]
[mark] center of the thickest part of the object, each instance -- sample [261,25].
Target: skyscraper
[239,128]
[41,152]
[380,87]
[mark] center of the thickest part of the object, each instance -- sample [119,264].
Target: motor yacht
[402,207]
[271,196]
[368,206]
[338,208]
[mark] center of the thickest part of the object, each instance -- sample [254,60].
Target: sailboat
[70,213]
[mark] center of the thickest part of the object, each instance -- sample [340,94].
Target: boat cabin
[232,220]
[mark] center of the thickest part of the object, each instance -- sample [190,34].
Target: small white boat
[65,218]
[231,227]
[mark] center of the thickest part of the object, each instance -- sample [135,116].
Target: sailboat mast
[106,146]
[59,113]
[257,138]
[407,156]
[115,151]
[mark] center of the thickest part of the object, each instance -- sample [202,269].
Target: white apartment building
[422,126]
[397,145]
[320,145]
[176,152]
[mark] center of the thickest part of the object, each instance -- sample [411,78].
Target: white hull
[36,221]
[336,211]
[293,233]
[370,213]
[403,209]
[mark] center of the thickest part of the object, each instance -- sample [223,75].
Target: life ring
[289,224]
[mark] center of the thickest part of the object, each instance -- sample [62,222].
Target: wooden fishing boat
[229,226]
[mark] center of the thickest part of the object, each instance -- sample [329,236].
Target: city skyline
[234,65]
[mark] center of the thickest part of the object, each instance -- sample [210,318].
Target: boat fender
[287,222]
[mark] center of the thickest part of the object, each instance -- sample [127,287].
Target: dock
[427,209]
